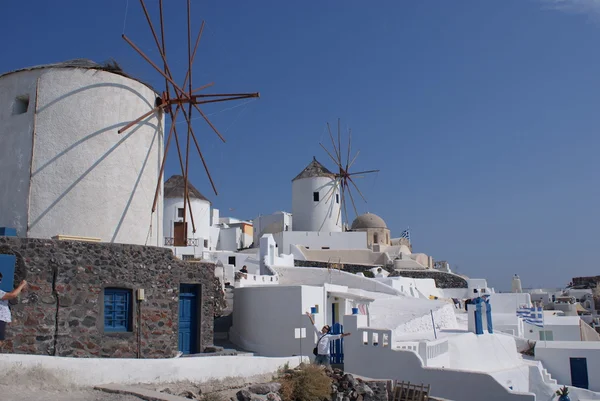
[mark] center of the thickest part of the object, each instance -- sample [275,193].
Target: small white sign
[300,332]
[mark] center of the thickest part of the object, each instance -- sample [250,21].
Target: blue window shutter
[117,309]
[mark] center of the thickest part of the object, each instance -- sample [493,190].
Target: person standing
[5,315]
[324,337]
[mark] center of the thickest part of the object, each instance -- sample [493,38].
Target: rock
[350,379]
[243,395]
[273,396]
[166,390]
[189,394]
[346,399]
[264,388]
[363,389]
[212,349]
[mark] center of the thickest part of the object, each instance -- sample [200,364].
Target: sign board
[300,332]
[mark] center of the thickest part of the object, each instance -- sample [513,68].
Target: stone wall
[350,268]
[442,279]
[590,282]
[62,310]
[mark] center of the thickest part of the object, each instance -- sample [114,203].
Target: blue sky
[482,115]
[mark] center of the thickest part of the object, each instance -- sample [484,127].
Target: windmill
[344,179]
[174,100]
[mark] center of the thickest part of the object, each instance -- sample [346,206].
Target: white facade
[197,242]
[557,359]
[316,215]
[271,224]
[64,167]
[556,328]
[320,240]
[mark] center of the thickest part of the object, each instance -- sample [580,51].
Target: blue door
[579,372]
[7,268]
[336,349]
[188,319]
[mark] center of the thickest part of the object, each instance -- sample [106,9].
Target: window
[206,243]
[316,196]
[375,238]
[117,310]
[231,260]
[546,335]
[387,238]
[21,104]
[180,212]
[324,247]
[337,198]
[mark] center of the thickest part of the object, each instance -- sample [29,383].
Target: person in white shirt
[322,349]
[5,316]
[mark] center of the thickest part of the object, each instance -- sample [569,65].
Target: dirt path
[39,384]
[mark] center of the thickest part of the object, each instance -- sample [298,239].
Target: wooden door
[180,234]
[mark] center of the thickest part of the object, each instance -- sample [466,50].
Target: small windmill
[344,178]
[174,99]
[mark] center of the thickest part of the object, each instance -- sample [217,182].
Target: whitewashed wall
[229,239]
[97,371]
[316,216]
[408,366]
[318,240]
[264,319]
[86,179]
[566,329]
[241,258]
[201,213]
[421,287]
[555,357]
[271,224]
[16,135]
[508,302]
[320,276]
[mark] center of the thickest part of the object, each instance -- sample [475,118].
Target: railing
[408,345]
[247,279]
[170,241]
[375,337]
[436,348]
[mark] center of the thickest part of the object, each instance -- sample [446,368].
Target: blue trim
[117,310]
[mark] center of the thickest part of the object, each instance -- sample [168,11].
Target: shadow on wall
[92,167]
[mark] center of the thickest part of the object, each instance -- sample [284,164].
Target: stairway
[547,377]
[223,323]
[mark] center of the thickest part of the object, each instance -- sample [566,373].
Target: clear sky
[483,116]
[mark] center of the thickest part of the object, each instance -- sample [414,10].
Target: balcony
[170,241]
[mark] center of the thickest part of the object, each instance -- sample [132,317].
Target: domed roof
[368,220]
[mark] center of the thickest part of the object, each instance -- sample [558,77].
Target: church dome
[368,220]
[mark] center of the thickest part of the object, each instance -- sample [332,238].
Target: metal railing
[170,241]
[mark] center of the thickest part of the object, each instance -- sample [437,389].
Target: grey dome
[368,220]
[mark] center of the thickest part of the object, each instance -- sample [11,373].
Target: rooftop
[83,63]
[175,188]
[314,169]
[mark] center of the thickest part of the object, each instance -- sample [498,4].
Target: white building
[316,200]
[65,169]
[179,236]
[573,363]
[396,333]
[271,224]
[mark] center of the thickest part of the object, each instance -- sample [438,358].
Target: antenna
[173,100]
[344,179]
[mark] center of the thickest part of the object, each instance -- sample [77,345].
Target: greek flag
[534,316]
[406,234]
